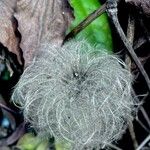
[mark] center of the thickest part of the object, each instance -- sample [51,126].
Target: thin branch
[133,136]
[140,42]
[130,37]
[95,14]
[142,125]
[145,116]
[7,108]
[143,112]
[112,12]
[131,29]
[144,142]
[114,147]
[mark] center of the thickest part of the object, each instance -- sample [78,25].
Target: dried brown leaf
[8,27]
[41,20]
[144,5]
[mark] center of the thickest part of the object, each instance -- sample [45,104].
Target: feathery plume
[76,93]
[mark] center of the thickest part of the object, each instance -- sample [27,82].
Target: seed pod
[76,93]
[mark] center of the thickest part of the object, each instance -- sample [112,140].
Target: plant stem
[112,12]
[95,14]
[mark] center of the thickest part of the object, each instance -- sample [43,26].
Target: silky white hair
[76,93]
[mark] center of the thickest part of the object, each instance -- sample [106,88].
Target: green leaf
[98,32]
[59,145]
[43,145]
[28,142]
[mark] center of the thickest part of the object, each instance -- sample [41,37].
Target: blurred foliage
[31,142]
[62,145]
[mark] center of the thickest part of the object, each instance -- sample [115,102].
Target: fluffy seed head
[76,93]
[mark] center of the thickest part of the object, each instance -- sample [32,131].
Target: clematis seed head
[76,93]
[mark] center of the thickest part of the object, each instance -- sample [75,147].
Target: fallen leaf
[40,21]
[143,5]
[8,27]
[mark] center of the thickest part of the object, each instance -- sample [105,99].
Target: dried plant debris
[143,5]
[41,20]
[8,27]
[76,93]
